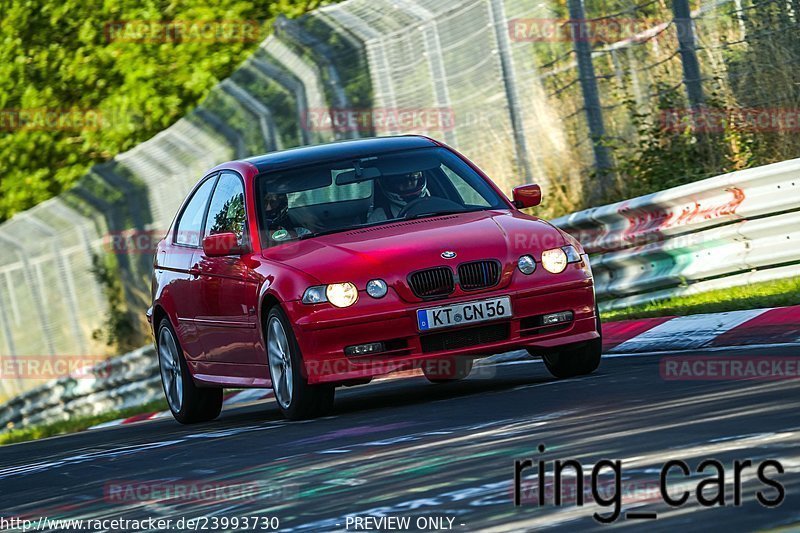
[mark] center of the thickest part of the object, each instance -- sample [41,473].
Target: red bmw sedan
[328,265]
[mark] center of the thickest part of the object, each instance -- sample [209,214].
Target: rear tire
[296,399]
[575,360]
[447,370]
[188,403]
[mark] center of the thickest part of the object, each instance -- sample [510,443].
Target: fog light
[364,349]
[526,264]
[557,318]
[377,288]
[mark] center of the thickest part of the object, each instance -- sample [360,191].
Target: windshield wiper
[382,222]
[339,230]
[442,213]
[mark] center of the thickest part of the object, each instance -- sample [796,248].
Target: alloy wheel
[280,362]
[171,375]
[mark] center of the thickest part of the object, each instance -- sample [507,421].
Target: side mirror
[527,196]
[221,244]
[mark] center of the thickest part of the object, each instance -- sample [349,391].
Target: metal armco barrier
[725,231]
[129,380]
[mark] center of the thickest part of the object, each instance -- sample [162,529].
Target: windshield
[341,195]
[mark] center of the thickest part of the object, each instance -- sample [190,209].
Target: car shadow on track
[404,392]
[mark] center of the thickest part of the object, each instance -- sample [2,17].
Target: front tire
[188,403]
[296,399]
[575,360]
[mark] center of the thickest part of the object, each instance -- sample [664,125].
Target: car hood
[394,250]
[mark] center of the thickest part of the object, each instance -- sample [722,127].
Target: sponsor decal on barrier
[648,224]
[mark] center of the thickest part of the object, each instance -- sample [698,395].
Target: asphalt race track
[406,448]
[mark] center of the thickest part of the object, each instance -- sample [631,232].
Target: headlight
[556,259]
[526,264]
[572,254]
[377,288]
[342,294]
[314,295]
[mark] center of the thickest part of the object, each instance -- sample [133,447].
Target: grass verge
[777,293]
[78,423]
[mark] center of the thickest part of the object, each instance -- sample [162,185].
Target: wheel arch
[268,301]
[159,314]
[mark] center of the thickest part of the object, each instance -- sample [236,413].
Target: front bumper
[323,336]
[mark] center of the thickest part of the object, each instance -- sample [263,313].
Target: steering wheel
[428,204]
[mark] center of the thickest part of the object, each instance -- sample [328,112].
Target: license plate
[466,313]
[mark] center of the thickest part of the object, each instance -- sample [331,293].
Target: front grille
[452,340]
[432,283]
[478,275]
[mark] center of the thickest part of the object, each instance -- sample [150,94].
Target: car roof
[320,153]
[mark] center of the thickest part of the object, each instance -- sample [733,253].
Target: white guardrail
[725,231]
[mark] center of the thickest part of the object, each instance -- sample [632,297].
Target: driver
[276,217]
[396,192]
